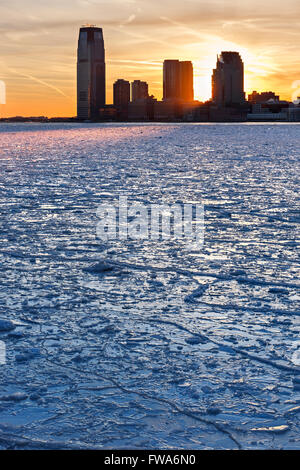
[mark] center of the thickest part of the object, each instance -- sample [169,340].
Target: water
[170,348]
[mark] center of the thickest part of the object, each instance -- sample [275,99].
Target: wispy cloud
[129,20]
[37,80]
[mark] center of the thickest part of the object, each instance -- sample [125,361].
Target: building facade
[139,90]
[186,81]
[263,97]
[228,80]
[122,98]
[171,79]
[121,93]
[178,80]
[142,110]
[90,72]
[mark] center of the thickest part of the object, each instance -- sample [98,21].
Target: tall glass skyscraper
[90,72]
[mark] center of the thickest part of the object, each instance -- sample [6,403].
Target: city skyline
[38,50]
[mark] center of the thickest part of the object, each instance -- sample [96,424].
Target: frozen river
[143,344]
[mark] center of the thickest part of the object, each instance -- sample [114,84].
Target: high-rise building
[171,79]
[186,81]
[178,80]
[228,80]
[122,98]
[90,72]
[139,90]
[121,93]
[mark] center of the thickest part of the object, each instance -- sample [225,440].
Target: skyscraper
[228,80]
[171,79]
[90,72]
[122,98]
[178,80]
[121,93]
[139,90]
[186,81]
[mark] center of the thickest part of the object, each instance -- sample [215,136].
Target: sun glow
[258,66]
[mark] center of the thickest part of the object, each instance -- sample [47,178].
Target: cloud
[129,20]
[37,80]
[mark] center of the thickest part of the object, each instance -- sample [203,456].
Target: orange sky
[38,42]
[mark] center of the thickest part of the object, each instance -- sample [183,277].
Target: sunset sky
[38,42]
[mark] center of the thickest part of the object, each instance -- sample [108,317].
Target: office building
[90,72]
[178,80]
[121,93]
[228,80]
[122,98]
[139,90]
[186,81]
[171,79]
